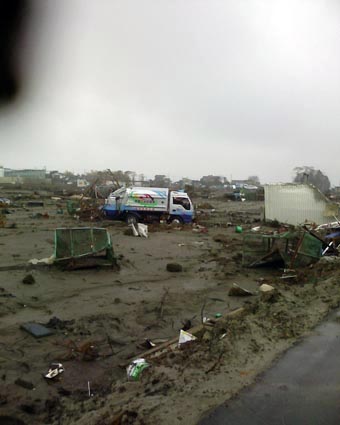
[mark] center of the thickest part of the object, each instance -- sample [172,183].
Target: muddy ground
[101,319]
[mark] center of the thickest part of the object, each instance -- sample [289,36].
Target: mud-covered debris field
[101,319]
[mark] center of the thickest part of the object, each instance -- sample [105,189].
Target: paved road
[302,388]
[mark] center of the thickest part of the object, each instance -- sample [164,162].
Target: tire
[176,220]
[131,219]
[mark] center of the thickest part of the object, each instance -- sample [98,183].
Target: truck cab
[113,203]
[180,207]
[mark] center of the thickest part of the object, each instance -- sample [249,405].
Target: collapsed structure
[295,248]
[307,228]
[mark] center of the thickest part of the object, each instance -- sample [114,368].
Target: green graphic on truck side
[145,200]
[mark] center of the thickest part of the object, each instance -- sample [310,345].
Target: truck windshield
[182,201]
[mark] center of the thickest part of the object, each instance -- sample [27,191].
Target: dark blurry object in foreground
[13,14]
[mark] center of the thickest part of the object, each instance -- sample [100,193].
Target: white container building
[297,204]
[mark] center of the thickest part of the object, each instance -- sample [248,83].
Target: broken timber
[173,343]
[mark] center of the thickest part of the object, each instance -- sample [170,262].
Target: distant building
[2,171]
[239,183]
[196,183]
[160,180]
[11,180]
[212,181]
[82,183]
[26,173]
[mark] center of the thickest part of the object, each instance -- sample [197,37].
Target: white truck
[147,204]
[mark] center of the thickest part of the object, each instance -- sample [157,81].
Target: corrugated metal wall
[296,203]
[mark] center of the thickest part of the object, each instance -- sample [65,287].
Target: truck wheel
[131,219]
[176,220]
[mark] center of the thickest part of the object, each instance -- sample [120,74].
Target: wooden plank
[193,331]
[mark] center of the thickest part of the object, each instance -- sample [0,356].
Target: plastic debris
[185,337]
[149,343]
[135,369]
[143,230]
[134,230]
[238,291]
[139,230]
[289,274]
[333,225]
[54,370]
[49,260]
[256,229]
[266,288]
[89,389]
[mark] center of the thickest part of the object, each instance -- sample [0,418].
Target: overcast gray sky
[179,87]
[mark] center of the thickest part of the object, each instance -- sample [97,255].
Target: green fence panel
[81,241]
